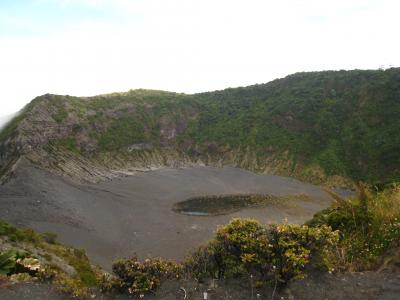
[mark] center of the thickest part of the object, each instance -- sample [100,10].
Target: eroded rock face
[52,121]
[35,129]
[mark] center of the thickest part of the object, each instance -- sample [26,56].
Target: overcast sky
[89,47]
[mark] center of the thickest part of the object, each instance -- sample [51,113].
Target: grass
[369,226]
[19,235]
[77,258]
[68,143]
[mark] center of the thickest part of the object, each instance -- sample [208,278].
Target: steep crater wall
[323,127]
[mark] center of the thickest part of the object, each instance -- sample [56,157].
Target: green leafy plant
[49,237]
[8,262]
[17,262]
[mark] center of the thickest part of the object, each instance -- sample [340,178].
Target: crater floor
[133,215]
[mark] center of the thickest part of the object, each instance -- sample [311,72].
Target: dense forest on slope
[343,123]
[347,122]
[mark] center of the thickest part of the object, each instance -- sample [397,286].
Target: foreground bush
[369,226]
[139,278]
[294,246]
[277,253]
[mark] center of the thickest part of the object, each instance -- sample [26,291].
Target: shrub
[49,237]
[21,277]
[21,265]
[17,234]
[78,259]
[71,286]
[241,247]
[8,261]
[244,247]
[294,246]
[201,264]
[139,278]
[369,225]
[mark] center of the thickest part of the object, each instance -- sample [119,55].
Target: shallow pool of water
[213,205]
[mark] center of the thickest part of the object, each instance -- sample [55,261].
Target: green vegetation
[68,143]
[20,266]
[240,249]
[137,118]
[19,235]
[271,254]
[8,261]
[369,226]
[122,132]
[20,260]
[77,258]
[60,116]
[139,278]
[344,121]
[49,237]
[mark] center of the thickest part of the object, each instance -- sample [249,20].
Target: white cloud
[191,46]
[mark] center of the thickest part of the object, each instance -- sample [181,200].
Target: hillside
[332,127]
